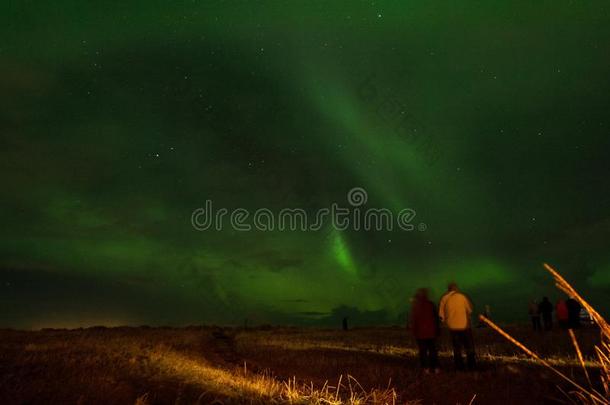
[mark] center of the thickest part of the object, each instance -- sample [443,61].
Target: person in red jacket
[561,312]
[424,325]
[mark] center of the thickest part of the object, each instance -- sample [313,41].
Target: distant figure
[546,310]
[345,323]
[424,325]
[486,314]
[455,310]
[534,313]
[561,313]
[573,313]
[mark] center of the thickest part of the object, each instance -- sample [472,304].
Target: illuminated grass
[272,366]
[401,352]
[257,388]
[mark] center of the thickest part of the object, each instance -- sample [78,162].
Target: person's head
[545,299]
[452,286]
[421,294]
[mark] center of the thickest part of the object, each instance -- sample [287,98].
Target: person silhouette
[573,313]
[534,313]
[455,309]
[562,314]
[546,310]
[424,326]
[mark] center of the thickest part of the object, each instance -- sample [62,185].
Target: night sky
[489,120]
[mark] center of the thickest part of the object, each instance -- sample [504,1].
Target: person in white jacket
[454,310]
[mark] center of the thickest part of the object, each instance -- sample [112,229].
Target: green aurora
[490,120]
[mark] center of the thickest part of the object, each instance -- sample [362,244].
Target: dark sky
[117,121]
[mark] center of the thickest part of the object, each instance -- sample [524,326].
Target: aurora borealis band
[490,120]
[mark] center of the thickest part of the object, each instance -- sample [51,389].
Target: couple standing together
[454,310]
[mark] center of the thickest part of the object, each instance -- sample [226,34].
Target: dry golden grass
[148,366]
[205,365]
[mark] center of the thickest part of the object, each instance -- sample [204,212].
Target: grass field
[276,365]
